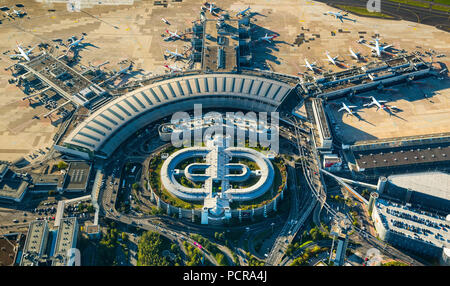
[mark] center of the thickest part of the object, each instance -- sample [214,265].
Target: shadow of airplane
[125,78]
[253,14]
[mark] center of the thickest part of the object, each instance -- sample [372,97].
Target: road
[438,19]
[301,207]
[321,197]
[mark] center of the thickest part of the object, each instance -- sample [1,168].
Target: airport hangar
[104,130]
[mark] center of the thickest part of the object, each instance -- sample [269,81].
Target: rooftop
[403,156]
[8,250]
[128,113]
[12,187]
[65,240]
[431,183]
[47,179]
[77,176]
[35,242]
[220,45]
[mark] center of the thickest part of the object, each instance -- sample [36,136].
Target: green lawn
[412,3]
[446,2]
[363,11]
[441,8]
[264,199]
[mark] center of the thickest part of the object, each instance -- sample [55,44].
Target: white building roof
[435,184]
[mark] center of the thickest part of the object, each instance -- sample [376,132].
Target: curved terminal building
[104,130]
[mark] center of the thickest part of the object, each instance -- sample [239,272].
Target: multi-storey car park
[412,229]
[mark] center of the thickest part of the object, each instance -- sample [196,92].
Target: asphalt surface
[435,18]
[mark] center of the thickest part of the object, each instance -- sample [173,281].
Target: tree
[150,248]
[90,208]
[136,186]
[62,165]
[221,259]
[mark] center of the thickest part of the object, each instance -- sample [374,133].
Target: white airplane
[340,16]
[354,55]
[378,103]
[19,13]
[120,72]
[173,68]
[125,69]
[310,66]
[173,35]
[347,108]
[378,49]
[174,55]
[330,59]
[165,21]
[210,7]
[243,12]
[75,43]
[268,38]
[22,53]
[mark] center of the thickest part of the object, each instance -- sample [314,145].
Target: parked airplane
[19,13]
[22,53]
[268,38]
[175,55]
[312,66]
[75,43]
[378,49]
[9,15]
[330,59]
[356,56]
[210,7]
[125,69]
[340,16]
[120,72]
[378,103]
[347,108]
[243,12]
[173,35]
[173,68]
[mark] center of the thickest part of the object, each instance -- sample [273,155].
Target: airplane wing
[340,18]
[367,45]
[15,56]
[382,101]
[31,49]
[349,19]
[340,109]
[352,106]
[388,46]
[368,104]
